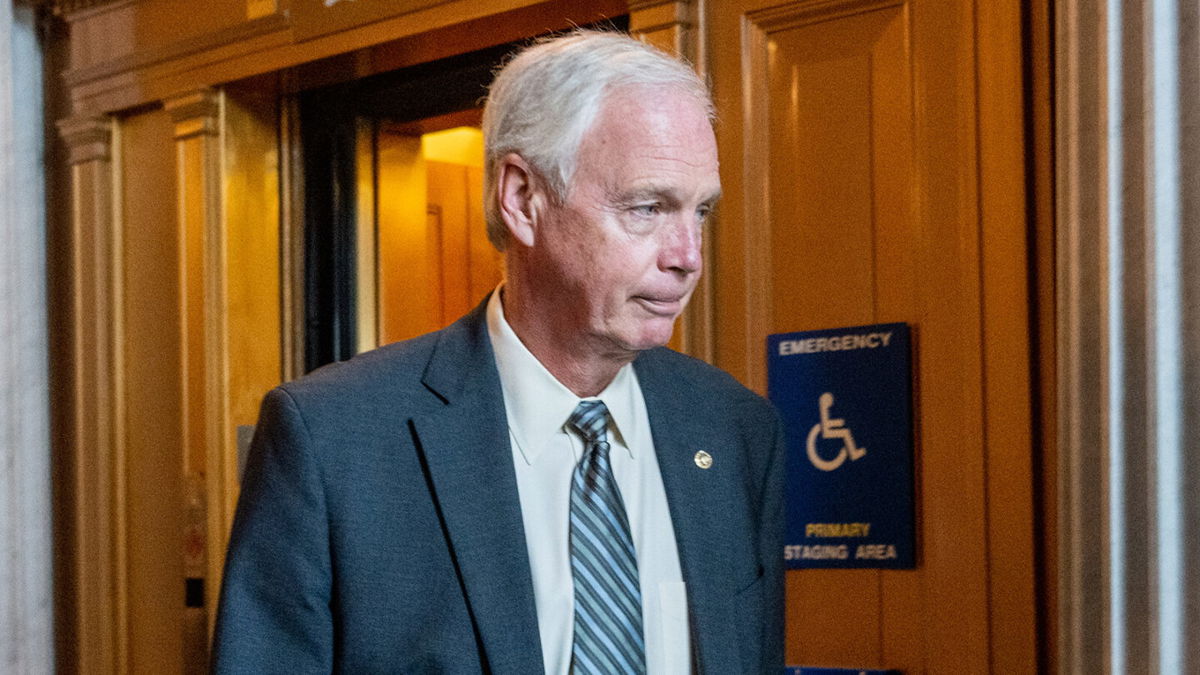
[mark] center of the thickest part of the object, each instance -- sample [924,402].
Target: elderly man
[540,487]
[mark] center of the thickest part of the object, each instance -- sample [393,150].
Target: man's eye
[647,209]
[703,213]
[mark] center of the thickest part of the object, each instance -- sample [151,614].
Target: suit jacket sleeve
[274,613]
[771,553]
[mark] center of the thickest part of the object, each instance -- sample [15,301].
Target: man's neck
[579,367]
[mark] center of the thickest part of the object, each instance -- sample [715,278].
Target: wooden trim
[120,488]
[210,441]
[88,139]
[291,239]
[194,113]
[97,457]
[242,32]
[655,15]
[756,192]
[1040,144]
[1008,355]
[806,12]
[79,9]
[266,50]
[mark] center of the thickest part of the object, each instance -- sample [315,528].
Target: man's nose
[680,251]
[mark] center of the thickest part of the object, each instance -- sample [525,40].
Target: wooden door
[434,260]
[872,156]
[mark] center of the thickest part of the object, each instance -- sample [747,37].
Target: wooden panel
[868,179]
[830,106]
[954,610]
[366,240]
[447,194]
[405,307]
[1010,390]
[435,262]
[250,182]
[153,395]
[486,262]
[840,223]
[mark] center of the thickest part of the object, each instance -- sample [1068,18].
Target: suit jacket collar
[696,498]
[466,449]
[468,454]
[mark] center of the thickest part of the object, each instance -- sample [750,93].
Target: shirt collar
[537,404]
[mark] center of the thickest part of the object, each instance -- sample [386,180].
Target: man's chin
[656,334]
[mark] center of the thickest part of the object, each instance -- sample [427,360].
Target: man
[540,487]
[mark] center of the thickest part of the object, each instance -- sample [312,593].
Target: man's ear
[521,198]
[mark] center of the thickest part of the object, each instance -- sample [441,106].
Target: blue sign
[845,396]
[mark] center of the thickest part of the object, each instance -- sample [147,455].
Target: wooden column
[666,24]
[676,26]
[209,459]
[98,574]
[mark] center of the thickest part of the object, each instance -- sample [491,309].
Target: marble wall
[1128,156]
[26,621]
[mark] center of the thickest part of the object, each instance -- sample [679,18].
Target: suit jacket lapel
[469,458]
[694,497]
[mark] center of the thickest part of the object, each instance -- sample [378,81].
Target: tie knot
[590,419]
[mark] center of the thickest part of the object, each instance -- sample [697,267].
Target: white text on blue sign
[838,343]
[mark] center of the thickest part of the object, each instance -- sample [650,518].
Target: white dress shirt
[545,454]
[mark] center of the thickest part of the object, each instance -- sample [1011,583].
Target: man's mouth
[661,305]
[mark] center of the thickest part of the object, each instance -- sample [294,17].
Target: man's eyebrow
[666,194]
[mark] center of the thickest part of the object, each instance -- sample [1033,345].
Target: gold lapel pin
[703,459]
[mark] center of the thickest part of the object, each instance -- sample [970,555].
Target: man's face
[624,250]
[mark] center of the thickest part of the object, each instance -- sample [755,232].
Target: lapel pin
[703,459]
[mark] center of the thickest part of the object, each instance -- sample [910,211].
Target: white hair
[546,98]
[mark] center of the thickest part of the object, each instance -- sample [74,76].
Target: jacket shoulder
[690,371]
[391,372]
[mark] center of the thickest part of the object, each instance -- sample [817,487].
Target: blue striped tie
[608,599]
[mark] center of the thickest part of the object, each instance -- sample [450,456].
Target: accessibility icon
[831,428]
[844,397]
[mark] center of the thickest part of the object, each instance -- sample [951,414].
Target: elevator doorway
[394,241]
[433,261]
[393,235]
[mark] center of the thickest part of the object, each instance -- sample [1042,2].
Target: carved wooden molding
[88,139]
[75,7]
[265,25]
[72,7]
[648,16]
[195,113]
[805,12]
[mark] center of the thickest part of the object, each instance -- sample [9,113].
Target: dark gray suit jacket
[379,527]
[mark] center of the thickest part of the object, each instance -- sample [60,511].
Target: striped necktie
[608,599]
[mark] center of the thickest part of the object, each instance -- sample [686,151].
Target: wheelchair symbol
[828,428]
